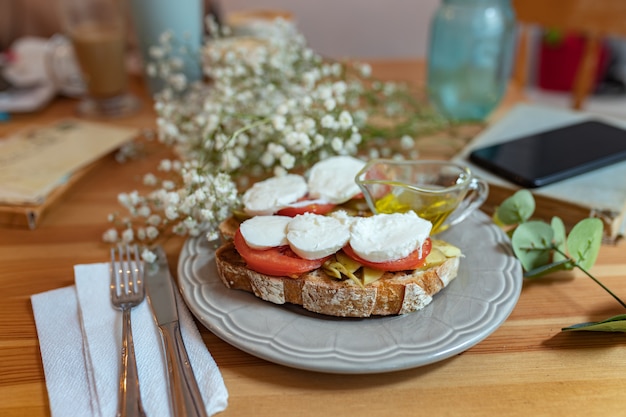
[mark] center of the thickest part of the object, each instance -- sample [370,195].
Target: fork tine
[126,271]
[114,268]
[138,271]
[132,270]
[128,279]
[127,292]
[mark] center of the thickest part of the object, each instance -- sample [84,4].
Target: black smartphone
[554,155]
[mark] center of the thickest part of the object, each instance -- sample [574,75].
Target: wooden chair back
[594,19]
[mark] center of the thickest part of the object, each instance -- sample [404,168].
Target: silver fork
[127,291]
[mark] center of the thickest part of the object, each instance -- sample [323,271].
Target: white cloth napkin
[80,340]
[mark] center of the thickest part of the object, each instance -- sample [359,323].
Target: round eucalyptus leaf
[584,241]
[532,244]
[516,209]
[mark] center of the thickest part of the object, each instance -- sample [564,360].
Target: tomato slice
[279,261]
[301,208]
[413,261]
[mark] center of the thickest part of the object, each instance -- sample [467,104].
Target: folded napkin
[80,340]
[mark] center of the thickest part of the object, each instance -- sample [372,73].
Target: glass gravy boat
[442,192]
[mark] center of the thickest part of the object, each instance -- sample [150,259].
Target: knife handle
[185,397]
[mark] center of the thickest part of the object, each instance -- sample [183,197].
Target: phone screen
[554,155]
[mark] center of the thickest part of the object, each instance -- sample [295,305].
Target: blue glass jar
[470,55]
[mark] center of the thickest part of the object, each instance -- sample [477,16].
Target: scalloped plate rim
[338,359]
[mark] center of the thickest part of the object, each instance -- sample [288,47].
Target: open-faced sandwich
[300,246]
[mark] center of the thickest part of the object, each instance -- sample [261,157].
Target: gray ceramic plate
[472,307]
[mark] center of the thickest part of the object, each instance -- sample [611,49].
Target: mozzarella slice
[264,232]
[343,217]
[313,236]
[388,237]
[333,179]
[304,203]
[269,196]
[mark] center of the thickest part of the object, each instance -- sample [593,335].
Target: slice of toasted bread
[394,293]
[228,227]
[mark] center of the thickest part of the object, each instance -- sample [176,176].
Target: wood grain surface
[528,367]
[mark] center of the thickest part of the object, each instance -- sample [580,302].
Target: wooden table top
[526,367]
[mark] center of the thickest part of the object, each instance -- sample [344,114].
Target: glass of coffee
[97,30]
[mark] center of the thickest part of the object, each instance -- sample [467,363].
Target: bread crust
[228,227]
[393,294]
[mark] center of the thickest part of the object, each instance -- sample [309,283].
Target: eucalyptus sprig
[543,248]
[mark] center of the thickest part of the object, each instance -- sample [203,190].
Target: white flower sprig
[270,106]
[186,200]
[273,105]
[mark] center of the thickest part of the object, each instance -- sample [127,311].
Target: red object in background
[559,59]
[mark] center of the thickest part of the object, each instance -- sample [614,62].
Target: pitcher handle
[478,192]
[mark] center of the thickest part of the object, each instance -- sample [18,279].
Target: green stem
[593,278]
[602,285]
[249,127]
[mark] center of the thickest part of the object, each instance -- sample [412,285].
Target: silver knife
[185,398]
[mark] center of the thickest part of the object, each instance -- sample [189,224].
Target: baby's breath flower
[328,121]
[179,229]
[407,142]
[212,235]
[128,200]
[279,171]
[154,220]
[176,62]
[272,105]
[166,37]
[345,120]
[148,256]
[150,179]
[178,81]
[267,159]
[366,70]
[128,235]
[156,52]
[278,122]
[151,70]
[374,153]
[110,236]
[337,144]
[168,185]
[287,161]
[356,138]
[152,232]
[143,211]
